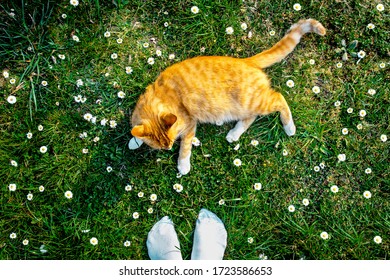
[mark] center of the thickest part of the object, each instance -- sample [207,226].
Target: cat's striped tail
[285,46]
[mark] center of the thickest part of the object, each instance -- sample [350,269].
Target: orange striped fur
[214,89]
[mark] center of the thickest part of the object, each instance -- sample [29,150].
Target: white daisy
[6,74]
[12,235]
[344,131]
[290,83]
[158,52]
[107,34]
[342,157]
[68,194]
[30,196]
[194,9]
[12,187]
[153,197]
[285,152]
[244,26]
[339,65]
[44,83]
[380,7]
[41,188]
[272,33]
[140,194]
[297,7]
[94,241]
[128,188]
[334,189]
[368,170]
[371,26]
[361,54]
[237,162]
[237,147]
[121,94]
[229,30]
[85,151]
[12,81]
[40,127]
[337,103]
[316,168]
[127,243]
[371,91]
[150,210]
[25,242]
[75,38]
[114,56]
[171,56]
[11,99]
[312,62]
[109,169]
[221,202]
[291,208]
[135,215]
[383,137]
[113,123]
[178,187]
[151,60]
[88,116]
[145,45]
[195,141]
[367,194]
[362,113]
[305,202]
[103,122]
[324,235]
[382,65]
[378,239]
[14,163]
[43,149]
[250,240]
[74,2]
[119,40]
[350,110]
[79,83]
[257,186]
[64,16]
[359,126]
[254,143]
[129,70]
[316,89]
[29,135]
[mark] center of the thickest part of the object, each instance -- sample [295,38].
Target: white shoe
[210,237]
[162,241]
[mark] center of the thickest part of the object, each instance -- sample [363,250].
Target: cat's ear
[138,131]
[168,120]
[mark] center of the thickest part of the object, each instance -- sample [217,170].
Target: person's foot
[162,241]
[210,237]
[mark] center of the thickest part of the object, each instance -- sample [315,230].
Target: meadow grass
[59,81]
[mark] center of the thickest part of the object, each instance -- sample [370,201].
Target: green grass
[101,207]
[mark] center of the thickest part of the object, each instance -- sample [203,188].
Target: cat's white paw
[184,166]
[231,137]
[135,143]
[290,128]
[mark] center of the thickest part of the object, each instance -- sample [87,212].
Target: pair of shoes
[210,239]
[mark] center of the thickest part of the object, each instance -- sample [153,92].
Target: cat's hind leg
[279,104]
[241,126]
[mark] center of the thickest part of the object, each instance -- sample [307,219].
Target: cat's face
[157,132]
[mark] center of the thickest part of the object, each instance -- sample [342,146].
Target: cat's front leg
[184,164]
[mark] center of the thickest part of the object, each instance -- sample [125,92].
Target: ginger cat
[213,89]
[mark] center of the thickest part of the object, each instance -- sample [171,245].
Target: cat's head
[156,131]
